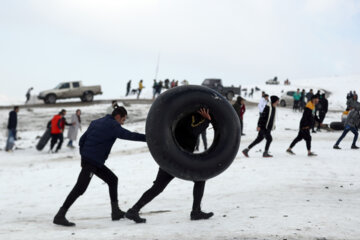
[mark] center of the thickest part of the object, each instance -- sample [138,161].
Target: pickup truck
[66,90]
[216,84]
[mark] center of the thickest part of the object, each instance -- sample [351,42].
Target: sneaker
[313,131]
[267,155]
[200,215]
[354,147]
[336,147]
[311,154]
[245,152]
[116,213]
[290,151]
[134,215]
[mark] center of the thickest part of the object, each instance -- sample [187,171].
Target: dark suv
[216,84]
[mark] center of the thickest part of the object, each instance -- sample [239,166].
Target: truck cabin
[212,82]
[68,85]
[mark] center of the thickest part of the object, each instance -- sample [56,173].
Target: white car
[287,99]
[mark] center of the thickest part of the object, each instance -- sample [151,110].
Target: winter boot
[336,147]
[199,215]
[290,151]
[267,155]
[245,152]
[60,219]
[354,147]
[311,154]
[116,213]
[134,215]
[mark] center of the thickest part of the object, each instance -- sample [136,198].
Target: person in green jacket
[297,97]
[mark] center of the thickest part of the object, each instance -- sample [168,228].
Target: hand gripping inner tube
[164,115]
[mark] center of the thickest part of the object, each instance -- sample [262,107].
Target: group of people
[158,86]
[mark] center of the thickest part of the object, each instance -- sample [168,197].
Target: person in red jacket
[58,123]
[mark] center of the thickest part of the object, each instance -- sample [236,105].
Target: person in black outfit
[12,124]
[128,87]
[323,110]
[186,133]
[95,146]
[266,123]
[306,122]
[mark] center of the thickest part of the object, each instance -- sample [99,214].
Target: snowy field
[285,197]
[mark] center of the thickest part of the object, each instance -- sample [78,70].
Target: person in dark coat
[309,95]
[28,94]
[323,110]
[128,87]
[186,133]
[352,123]
[266,124]
[302,100]
[240,109]
[95,146]
[12,124]
[306,122]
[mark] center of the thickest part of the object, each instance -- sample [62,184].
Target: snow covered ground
[285,197]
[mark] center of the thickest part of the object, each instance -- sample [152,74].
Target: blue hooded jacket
[96,143]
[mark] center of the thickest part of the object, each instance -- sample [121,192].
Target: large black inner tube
[165,114]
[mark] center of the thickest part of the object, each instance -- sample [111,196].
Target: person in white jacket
[263,101]
[74,128]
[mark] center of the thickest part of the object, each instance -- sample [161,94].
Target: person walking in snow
[266,124]
[240,109]
[309,95]
[297,97]
[74,128]
[12,124]
[95,146]
[323,110]
[263,102]
[58,124]
[306,122]
[187,134]
[352,124]
[28,94]
[141,86]
[302,100]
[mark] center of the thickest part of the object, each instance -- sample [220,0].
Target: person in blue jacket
[95,146]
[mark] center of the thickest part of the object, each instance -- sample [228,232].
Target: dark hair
[119,111]
[314,96]
[16,107]
[62,111]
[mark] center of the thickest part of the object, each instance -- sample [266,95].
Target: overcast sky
[108,42]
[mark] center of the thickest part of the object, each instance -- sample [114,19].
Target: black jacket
[324,105]
[266,121]
[188,130]
[12,123]
[307,119]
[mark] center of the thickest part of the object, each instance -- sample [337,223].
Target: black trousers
[263,133]
[54,139]
[162,180]
[84,179]
[242,126]
[322,115]
[303,134]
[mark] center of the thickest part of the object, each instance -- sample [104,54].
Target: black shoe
[116,213]
[290,151]
[336,147]
[311,154]
[243,134]
[267,155]
[199,215]
[134,215]
[245,152]
[60,219]
[354,147]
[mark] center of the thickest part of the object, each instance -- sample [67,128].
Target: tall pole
[157,66]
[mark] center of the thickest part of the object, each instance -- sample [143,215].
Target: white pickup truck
[70,90]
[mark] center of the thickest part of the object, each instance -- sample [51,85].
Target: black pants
[263,133]
[303,134]
[160,183]
[54,139]
[322,115]
[241,126]
[203,136]
[84,179]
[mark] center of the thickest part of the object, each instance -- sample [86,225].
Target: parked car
[67,90]
[287,98]
[272,82]
[216,84]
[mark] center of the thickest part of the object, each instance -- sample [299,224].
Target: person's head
[16,108]
[315,99]
[263,94]
[141,80]
[62,112]
[274,100]
[311,90]
[78,112]
[298,90]
[323,95]
[266,96]
[119,114]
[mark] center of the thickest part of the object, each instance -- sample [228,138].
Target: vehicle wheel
[337,125]
[283,103]
[51,99]
[88,97]
[229,96]
[163,119]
